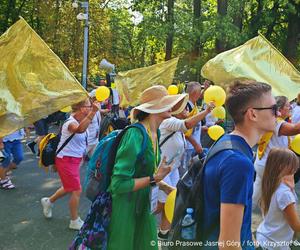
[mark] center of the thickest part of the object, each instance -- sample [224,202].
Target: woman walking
[68,160]
[132,224]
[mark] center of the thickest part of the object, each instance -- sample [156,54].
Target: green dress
[132,227]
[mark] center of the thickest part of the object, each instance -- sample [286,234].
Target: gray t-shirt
[274,232]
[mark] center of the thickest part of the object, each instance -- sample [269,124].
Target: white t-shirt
[174,144]
[274,228]
[275,142]
[93,129]
[296,114]
[196,132]
[76,147]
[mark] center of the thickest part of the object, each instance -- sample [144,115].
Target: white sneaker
[76,224]
[47,207]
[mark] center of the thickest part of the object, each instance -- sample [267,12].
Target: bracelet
[152,181]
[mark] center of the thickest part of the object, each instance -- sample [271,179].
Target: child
[278,201]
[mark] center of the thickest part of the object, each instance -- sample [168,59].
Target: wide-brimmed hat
[155,100]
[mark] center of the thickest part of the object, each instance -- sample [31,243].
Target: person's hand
[210,106]
[163,170]
[198,149]
[165,187]
[289,181]
[96,106]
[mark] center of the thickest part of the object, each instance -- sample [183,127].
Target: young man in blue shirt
[229,175]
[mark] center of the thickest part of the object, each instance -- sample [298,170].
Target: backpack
[190,192]
[111,122]
[94,232]
[101,164]
[48,148]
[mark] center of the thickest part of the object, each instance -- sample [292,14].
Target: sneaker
[31,146]
[47,207]
[76,224]
[162,236]
[7,184]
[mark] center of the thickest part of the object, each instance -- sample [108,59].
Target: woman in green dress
[133,226]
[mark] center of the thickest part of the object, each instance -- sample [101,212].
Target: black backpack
[190,193]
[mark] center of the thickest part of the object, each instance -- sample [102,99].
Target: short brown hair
[241,94]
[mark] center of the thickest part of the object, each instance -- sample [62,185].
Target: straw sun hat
[155,100]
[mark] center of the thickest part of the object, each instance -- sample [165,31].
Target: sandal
[7,184]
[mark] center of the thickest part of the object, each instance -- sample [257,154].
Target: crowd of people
[235,183]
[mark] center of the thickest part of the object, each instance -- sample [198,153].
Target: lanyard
[155,149]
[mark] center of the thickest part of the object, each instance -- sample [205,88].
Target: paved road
[22,224]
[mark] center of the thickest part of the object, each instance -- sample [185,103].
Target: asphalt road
[22,224]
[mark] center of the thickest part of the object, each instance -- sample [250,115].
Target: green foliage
[114,35]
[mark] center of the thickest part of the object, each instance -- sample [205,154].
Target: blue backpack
[94,232]
[101,164]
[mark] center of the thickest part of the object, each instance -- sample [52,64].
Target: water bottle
[188,230]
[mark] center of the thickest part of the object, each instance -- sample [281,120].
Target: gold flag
[34,82]
[258,60]
[130,84]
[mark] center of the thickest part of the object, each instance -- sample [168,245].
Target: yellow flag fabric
[130,84]
[258,60]
[34,82]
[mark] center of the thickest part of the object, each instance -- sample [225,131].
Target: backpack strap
[219,146]
[65,143]
[167,138]
[140,156]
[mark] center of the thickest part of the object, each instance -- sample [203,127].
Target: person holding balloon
[280,137]
[172,143]
[68,160]
[193,136]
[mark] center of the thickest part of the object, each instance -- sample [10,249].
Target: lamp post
[84,16]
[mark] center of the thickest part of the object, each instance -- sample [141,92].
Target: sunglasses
[274,109]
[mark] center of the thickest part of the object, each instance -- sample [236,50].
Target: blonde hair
[280,162]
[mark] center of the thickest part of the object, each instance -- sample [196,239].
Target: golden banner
[130,84]
[259,60]
[34,82]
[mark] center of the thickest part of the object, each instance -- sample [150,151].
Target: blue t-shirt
[228,178]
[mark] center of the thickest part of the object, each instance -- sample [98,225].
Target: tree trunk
[274,14]
[197,28]
[238,18]
[222,11]
[170,26]
[255,20]
[293,35]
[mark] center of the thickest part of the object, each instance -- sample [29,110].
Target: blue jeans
[14,149]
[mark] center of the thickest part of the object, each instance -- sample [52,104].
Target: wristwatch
[152,181]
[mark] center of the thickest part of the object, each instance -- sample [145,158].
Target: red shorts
[68,169]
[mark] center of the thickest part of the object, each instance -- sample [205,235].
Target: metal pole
[85,5]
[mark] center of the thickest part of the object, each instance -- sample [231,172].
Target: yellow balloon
[173,90]
[215,132]
[215,94]
[295,144]
[219,112]
[102,93]
[66,109]
[170,205]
